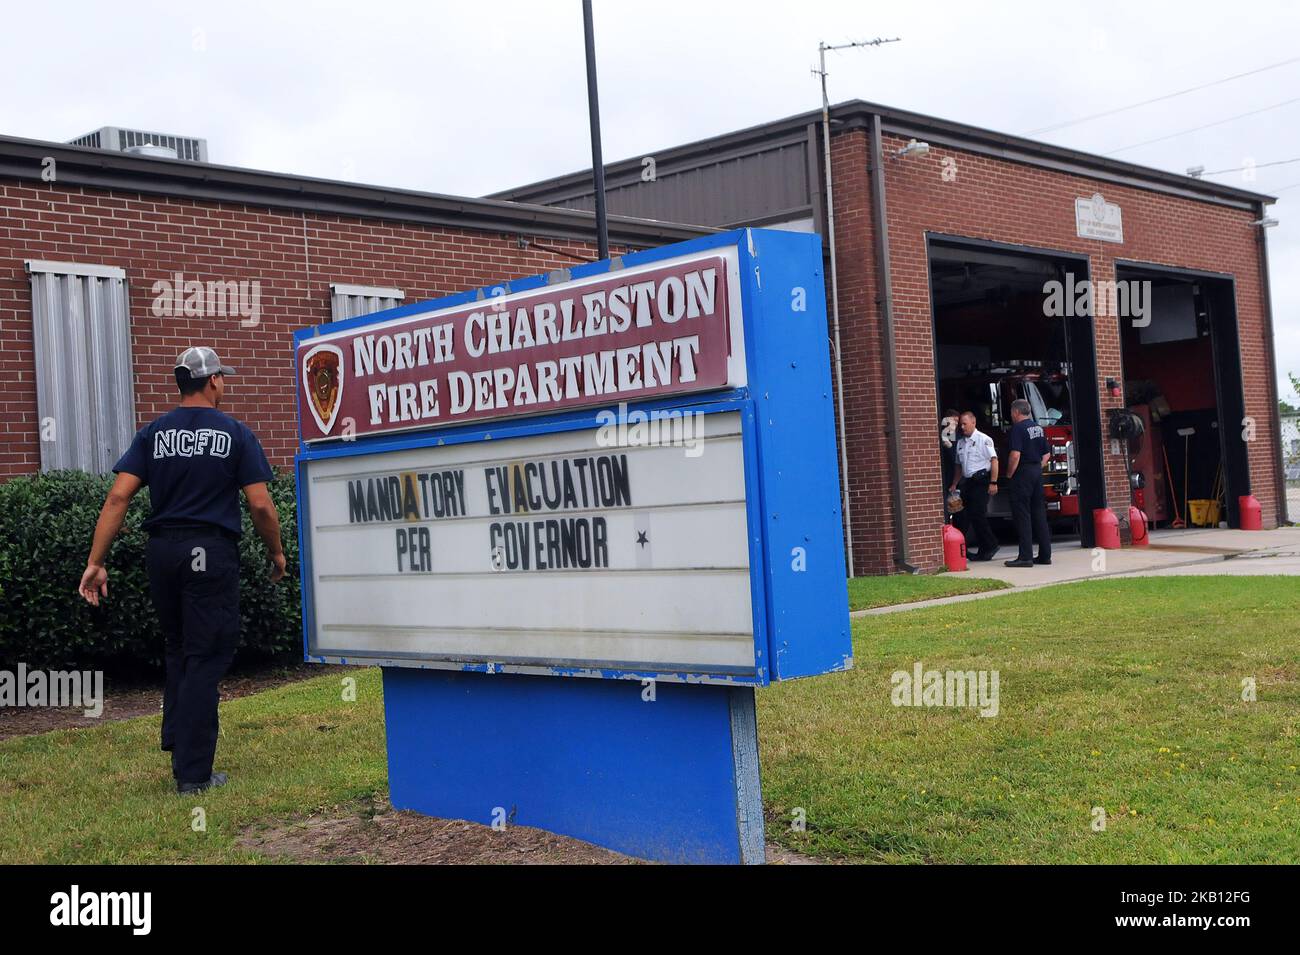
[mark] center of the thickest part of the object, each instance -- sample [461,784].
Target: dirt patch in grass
[131,700]
[369,832]
[376,833]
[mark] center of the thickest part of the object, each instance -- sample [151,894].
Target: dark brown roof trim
[856,114]
[22,159]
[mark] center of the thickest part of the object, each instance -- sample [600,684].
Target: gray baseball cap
[201,362]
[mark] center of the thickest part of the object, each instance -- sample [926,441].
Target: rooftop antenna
[822,47]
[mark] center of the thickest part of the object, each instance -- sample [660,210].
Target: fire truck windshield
[1049,402]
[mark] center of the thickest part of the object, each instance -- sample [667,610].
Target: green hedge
[46,525]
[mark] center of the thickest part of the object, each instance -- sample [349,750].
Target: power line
[1196,129]
[1159,99]
[1258,165]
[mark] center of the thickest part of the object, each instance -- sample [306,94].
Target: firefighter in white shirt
[977,476]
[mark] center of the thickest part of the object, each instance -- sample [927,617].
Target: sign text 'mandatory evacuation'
[525,501]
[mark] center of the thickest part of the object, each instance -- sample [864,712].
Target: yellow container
[1204,513]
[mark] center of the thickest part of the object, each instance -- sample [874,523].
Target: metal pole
[835,316]
[597,163]
[1275,419]
[835,291]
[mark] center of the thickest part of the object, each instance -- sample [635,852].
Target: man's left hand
[94,584]
[993,489]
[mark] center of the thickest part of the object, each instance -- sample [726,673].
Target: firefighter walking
[195,460]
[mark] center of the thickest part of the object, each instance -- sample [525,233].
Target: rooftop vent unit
[141,143]
[149,149]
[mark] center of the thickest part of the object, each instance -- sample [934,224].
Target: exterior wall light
[914,148]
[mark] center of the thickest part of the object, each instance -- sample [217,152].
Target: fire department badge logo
[322,379]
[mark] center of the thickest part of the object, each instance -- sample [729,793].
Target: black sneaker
[1018,563]
[216,779]
[1045,561]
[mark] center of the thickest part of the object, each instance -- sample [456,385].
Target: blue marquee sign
[577,519]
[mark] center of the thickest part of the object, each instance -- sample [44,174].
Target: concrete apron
[1170,552]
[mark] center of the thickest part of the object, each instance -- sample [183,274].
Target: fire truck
[989,388]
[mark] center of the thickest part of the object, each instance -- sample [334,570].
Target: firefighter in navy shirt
[195,460]
[1025,462]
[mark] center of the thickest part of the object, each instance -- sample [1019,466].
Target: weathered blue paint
[676,779]
[584,758]
[800,616]
[791,385]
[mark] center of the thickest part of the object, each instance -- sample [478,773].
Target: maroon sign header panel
[623,337]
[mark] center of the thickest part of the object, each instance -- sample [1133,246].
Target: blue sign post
[578,519]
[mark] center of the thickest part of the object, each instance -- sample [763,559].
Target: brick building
[942,250]
[89,335]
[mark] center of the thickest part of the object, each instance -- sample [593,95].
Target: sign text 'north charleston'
[654,332]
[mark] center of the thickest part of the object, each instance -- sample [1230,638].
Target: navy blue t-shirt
[1027,437]
[195,460]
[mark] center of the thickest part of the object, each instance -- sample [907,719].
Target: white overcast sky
[467,98]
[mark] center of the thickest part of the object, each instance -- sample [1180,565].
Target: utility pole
[835,285]
[593,107]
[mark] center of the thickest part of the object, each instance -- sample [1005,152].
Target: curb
[1005,592]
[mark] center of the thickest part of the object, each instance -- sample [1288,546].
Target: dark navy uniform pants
[194,583]
[975,513]
[1029,511]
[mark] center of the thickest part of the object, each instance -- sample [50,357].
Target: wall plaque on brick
[1095,218]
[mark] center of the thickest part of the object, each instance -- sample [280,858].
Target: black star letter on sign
[641,538]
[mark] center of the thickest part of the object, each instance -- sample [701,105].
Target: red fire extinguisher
[954,548]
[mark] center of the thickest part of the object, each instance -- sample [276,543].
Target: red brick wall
[295,257]
[1002,201]
[870,484]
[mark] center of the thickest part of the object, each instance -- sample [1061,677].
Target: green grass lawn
[868,592]
[1124,695]
[104,795]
